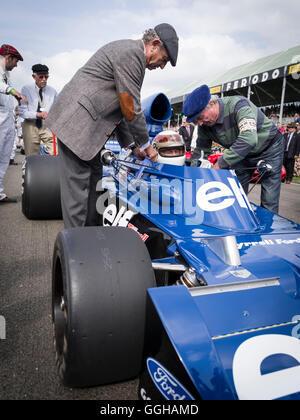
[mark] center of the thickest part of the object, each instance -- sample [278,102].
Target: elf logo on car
[113,217]
[249,380]
[167,385]
[204,197]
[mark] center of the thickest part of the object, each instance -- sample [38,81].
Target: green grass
[296,179]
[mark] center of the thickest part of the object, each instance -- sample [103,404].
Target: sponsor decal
[113,217]
[168,386]
[254,79]
[205,198]
[269,242]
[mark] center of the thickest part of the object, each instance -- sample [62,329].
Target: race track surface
[27,358]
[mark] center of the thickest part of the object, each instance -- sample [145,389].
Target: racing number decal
[249,382]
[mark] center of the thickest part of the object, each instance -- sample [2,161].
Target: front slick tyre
[99,280]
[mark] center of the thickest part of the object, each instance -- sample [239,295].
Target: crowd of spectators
[289,111]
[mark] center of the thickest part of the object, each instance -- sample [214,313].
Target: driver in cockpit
[170,148]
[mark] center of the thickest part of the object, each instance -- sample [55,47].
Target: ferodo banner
[254,79]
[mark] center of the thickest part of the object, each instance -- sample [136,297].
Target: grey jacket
[103,96]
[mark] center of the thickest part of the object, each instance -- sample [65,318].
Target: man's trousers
[271,181]
[7,138]
[33,137]
[78,181]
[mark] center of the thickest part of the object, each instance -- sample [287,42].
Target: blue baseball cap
[196,102]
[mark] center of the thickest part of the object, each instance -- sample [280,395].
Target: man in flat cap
[104,97]
[9,58]
[40,99]
[247,134]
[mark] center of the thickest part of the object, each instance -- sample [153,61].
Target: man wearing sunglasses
[40,98]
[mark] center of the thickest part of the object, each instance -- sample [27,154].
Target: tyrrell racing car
[186,285]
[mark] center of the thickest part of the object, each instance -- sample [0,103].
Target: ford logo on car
[167,385]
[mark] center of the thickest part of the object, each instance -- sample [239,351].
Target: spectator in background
[40,99]
[186,131]
[18,126]
[13,152]
[290,151]
[297,118]
[9,58]
[280,128]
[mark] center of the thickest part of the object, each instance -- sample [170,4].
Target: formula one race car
[186,284]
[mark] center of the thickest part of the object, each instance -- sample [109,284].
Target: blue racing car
[185,284]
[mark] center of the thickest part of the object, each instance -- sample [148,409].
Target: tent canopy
[262,80]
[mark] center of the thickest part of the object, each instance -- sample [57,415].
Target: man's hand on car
[151,153]
[138,154]
[216,166]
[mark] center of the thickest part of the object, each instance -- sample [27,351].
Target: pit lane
[27,359]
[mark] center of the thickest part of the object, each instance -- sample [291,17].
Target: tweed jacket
[103,96]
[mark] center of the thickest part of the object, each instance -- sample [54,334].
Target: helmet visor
[172,151]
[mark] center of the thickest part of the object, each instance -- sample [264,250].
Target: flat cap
[168,36]
[6,49]
[40,68]
[196,102]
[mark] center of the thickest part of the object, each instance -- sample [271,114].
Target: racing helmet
[170,148]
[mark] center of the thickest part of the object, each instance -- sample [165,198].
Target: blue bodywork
[238,336]
[242,307]
[157,110]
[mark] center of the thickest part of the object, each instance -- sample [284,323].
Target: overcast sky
[215,35]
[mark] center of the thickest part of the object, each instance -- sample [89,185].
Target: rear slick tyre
[99,281]
[41,188]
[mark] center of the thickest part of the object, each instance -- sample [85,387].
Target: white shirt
[290,136]
[31,93]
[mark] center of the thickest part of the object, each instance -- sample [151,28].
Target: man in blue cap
[247,134]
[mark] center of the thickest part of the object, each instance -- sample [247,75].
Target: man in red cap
[9,58]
